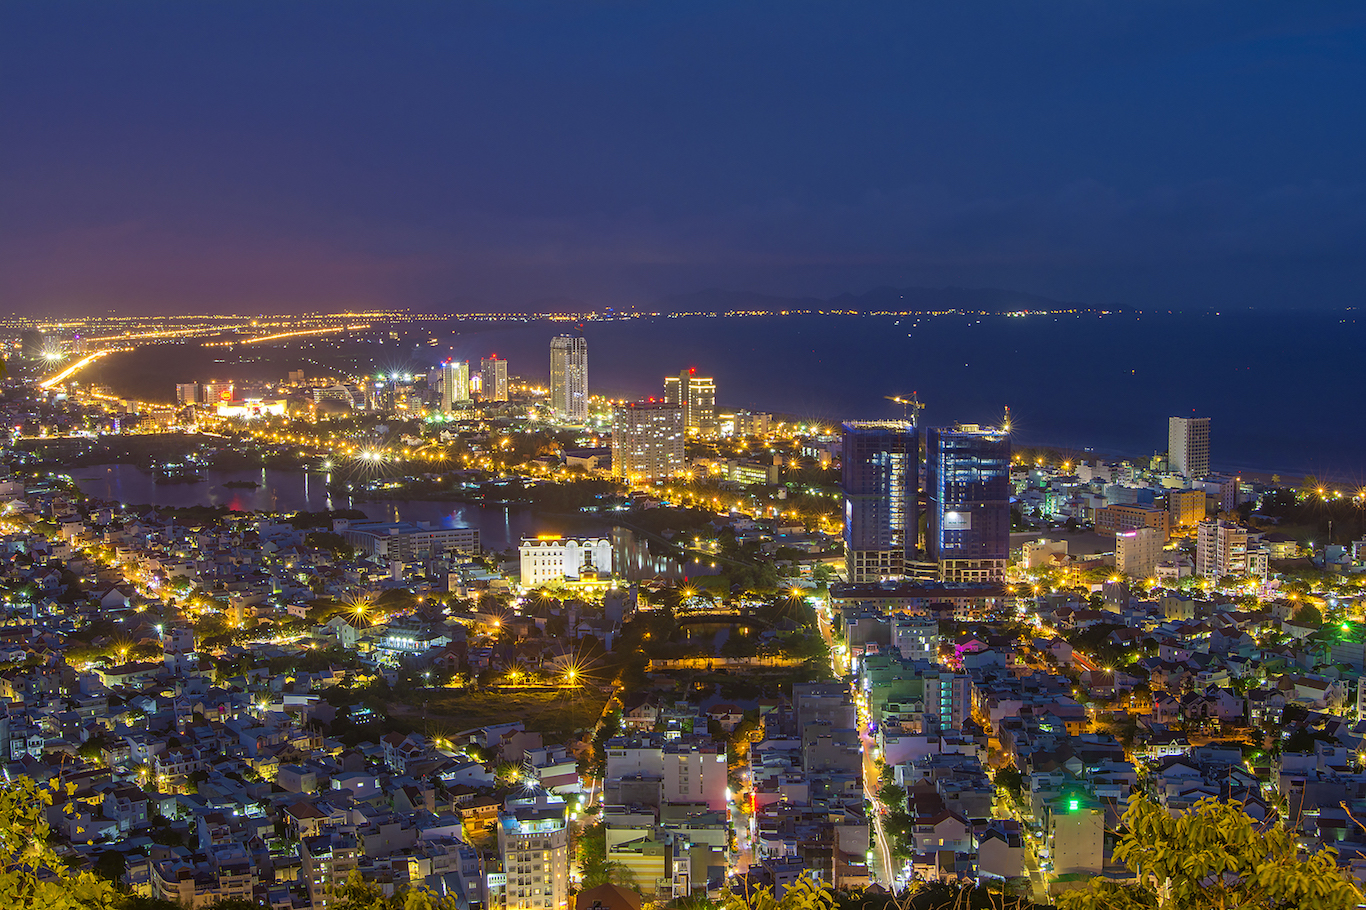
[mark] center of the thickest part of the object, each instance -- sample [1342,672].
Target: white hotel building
[552,560]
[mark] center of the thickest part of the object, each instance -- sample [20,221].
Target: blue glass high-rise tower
[967,489]
[880,477]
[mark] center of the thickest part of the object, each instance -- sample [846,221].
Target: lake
[500,528]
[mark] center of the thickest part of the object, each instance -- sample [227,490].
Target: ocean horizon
[1085,383]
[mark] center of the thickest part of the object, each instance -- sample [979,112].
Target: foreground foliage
[806,893]
[31,873]
[1215,856]
[358,894]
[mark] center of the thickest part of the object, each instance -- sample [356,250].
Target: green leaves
[31,874]
[1215,856]
[806,893]
[358,894]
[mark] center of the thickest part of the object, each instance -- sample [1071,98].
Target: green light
[1346,627]
[1073,805]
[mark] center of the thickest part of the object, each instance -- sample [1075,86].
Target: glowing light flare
[78,365]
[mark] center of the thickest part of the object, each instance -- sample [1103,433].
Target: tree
[608,872]
[893,796]
[330,541]
[1010,780]
[92,750]
[806,893]
[358,894]
[111,865]
[591,846]
[31,873]
[595,867]
[1215,856]
[210,625]
[1308,615]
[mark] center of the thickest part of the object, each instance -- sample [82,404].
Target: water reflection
[275,491]
[501,528]
[634,560]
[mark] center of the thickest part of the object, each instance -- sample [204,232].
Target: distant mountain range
[878,300]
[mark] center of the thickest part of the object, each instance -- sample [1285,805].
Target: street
[880,866]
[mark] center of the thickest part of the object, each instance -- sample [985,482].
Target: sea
[1284,390]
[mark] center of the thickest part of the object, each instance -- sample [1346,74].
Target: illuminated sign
[251,408]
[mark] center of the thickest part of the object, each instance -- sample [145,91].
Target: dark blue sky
[291,155]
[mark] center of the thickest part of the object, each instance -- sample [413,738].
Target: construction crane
[907,404]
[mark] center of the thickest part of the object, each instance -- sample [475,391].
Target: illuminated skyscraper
[967,487]
[1225,548]
[569,377]
[1188,446]
[696,395]
[495,378]
[647,440]
[215,391]
[881,462]
[1187,507]
[699,409]
[455,384]
[533,842]
[1137,552]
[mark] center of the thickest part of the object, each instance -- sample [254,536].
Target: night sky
[159,156]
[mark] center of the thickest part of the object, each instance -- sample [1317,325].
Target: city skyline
[59,347]
[604,603]
[966,505]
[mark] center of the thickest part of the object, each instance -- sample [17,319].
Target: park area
[556,713]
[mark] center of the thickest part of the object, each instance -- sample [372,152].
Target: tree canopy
[1308,615]
[1218,857]
[806,893]
[31,873]
[358,894]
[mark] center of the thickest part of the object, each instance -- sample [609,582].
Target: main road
[881,867]
[1004,806]
[882,871]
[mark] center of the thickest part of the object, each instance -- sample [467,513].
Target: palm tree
[608,872]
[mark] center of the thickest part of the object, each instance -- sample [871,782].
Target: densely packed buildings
[235,705]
